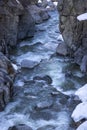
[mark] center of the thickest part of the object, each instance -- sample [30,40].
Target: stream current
[43,96]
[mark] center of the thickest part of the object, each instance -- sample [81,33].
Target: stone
[26,26]
[62,49]
[38,115]
[46,78]
[47,127]
[44,104]
[29,64]
[39,14]
[20,127]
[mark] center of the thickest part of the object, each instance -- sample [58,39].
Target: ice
[82,17]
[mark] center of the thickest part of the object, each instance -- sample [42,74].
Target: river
[43,96]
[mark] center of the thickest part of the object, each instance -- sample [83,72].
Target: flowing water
[37,102]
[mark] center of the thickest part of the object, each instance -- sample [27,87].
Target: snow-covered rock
[80,112]
[55,3]
[82,93]
[82,17]
[39,1]
[83,126]
[15,66]
[60,38]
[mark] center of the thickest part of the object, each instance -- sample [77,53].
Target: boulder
[26,26]
[39,14]
[45,78]
[62,49]
[20,127]
[47,127]
[29,64]
[44,105]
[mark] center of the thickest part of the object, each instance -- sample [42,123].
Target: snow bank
[83,126]
[82,93]
[82,17]
[80,112]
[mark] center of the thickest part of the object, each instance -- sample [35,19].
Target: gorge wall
[74,32]
[17,22]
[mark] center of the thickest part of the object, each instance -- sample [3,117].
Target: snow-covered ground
[80,111]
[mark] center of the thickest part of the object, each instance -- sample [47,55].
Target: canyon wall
[73,31]
[16,23]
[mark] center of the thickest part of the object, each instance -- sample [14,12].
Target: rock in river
[20,127]
[29,64]
[62,49]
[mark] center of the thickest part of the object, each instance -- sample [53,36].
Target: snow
[15,66]
[18,1]
[19,83]
[82,17]
[39,1]
[60,38]
[47,7]
[82,93]
[80,112]
[48,0]
[83,126]
[55,3]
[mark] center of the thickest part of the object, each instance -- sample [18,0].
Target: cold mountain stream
[43,94]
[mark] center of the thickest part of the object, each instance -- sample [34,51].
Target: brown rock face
[74,32]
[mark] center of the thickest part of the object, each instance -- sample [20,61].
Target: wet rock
[38,14]
[62,49]
[46,78]
[20,127]
[41,115]
[83,66]
[26,26]
[44,104]
[6,80]
[29,64]
[48,127]
[3,47]
[2,104]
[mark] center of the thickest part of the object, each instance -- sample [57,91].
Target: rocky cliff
[17,22]
[74,32]
[12,23]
